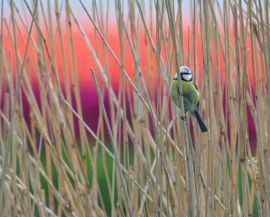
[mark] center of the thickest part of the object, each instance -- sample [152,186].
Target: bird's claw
[183,118]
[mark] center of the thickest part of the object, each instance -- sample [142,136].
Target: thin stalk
[116,154]
[13,109]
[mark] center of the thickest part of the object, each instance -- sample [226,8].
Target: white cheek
[187,77]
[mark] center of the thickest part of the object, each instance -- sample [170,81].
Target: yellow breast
[189,91]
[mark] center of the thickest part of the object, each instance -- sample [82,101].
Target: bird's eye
[187,77]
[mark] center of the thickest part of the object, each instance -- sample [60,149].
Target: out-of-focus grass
[101,177]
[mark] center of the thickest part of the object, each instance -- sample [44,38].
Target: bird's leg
[184,118]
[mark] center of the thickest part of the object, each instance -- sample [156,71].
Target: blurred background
[77,66]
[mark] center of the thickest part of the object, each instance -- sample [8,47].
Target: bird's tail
[200,121]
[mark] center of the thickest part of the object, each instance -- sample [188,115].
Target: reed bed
[142,159]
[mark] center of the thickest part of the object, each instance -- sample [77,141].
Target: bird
[190,93]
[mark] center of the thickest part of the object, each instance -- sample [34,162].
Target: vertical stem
[115,151]
[10,141]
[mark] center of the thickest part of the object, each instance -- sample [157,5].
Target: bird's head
[185,74]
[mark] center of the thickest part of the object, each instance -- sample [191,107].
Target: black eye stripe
[186,79]
[183,78]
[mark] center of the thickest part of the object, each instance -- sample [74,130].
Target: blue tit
[191,96]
